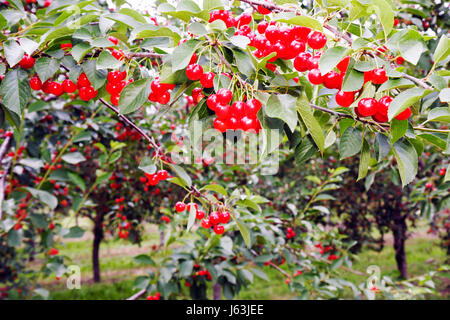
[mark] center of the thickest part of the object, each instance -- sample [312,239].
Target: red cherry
[272,33]
[368,76]
[115,88]
[83,81]
[262,26]
[194,72]
[164,98]
[295,48]
[113,40]
[194,58]
[244,19]
[200,215]
[224,96]
[223,111]
[315,77]
[214,218]
[252,107]
[118,54]
[404,114]
[46,86]
[301,62]
[232,123]
[224,217]
[263,10]
[180,206]
[316,40]
[207,79]
[248,123]
[220,125]
[206,224]
[35,83]
[27,62]
[301,33]
[238,109]
[345,98]
[66,46]
[86,93]
[162,175]
[56,88]
[69,86]
[219,229]
[383,106]
[115,76]
[191,205]
[367,107]
[343,65]
[378,117]
[332,80]
[379,76]
[115,100]
[211,102]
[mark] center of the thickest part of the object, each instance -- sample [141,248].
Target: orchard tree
[303,78]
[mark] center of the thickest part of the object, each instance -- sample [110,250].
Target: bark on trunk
[217,294]
[98,237]
[399,232]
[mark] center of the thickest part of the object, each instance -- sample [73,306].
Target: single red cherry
[383,105]
[345,98]
[69,86]
[200,215]
[252,107]
[118,54]
[378,117]
[27,62]
[206,224]
[301,62]
[379,76]
[224,96]
[66,46]
[162,175]
[35,83]
[262,26]
[223,111]
[332,80]
[191,205]
[224,216]
[56,88]
[238,109]
[194,72]
[115,76]
[180,206]
[248,123]
[367,107]
[315,77]
[214,218]
[83,81]
[272,33]
[263,10]
[343,65]
[113,40]
[86,93]
[211,102]
[115,100]
[404,114]
[220,125]
[232,123]
[115,88]
[207,79]
[194,58]
[316,40]
[219,229]
[164,98]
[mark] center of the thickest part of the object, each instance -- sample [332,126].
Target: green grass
[119,270]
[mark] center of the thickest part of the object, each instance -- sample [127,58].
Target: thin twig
[137,295]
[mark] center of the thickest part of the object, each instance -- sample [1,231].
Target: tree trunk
[399,231]
[98,237]
[217,295]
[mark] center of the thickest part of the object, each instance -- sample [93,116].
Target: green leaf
[244,62]
[442,50]
[28,45]
[209,5]
[74,232]
[398,129]
[447,174]
[439,114]
[407,160]
[73,157]
[144,259]
[181,174]
[216,188]
[183,54]
[385,13]
[364,160]
[353,81]
[304,20]
[444,96]
[283,107]
[134,95]
[411,46]
[15,238]
[331,57]
[243,229]
[102,177]
[96,77]
[305,150]
[311,122]
[77,180]
[15,91]
[240,41]
[191,218]
[44,197]
[13,52]
[197,29]
[46,67]
[350,142]
[147,165]
[186,268]
[79,51]
[404,100]
[395,83]
[107,61]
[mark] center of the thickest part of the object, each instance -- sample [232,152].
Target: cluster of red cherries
[378,110]
[154,178]
[160,91]
[326,249]
[157,296]
[115,84]
[290,233]
[215,219]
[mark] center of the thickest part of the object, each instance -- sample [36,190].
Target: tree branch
[3,149]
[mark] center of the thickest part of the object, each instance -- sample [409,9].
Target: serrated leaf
[134,95]
[407,160]
[182,54]
[73,158]
[311,123]
[44,196]
[404,100]
[331,57]
[13,52]
[77,180]
[15,91]
[283,107]
[46,67]
[350,142]
[216,188]
[107,61]
[364,160]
